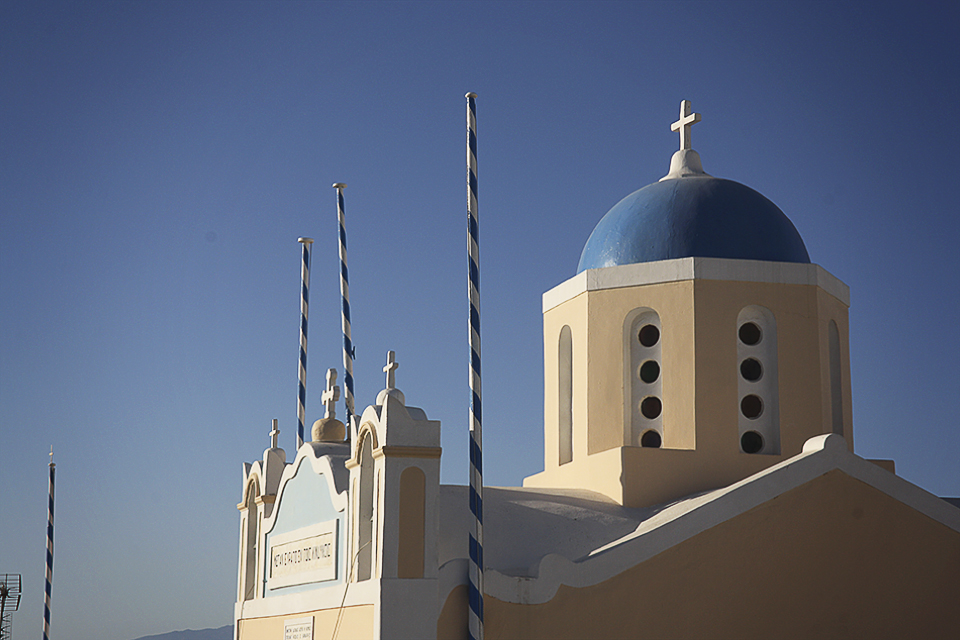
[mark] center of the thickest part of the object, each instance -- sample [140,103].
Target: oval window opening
[751,442]
[751,369]
[650,371]
[651,439]
[649,335]
[651,407]
[751,406]
[750,333]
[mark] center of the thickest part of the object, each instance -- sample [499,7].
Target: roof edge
[680,269]
[687,518]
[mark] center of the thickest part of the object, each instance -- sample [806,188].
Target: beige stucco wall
[355,623]
[802,313]
[452,624]
[575,315]
[596,321]
[834,558]
[699,369]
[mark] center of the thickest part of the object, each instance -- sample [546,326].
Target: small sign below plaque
[298,629]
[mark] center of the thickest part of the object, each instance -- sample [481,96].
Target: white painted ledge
[332,597]
[663,271]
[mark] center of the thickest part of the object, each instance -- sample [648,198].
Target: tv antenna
[9,602]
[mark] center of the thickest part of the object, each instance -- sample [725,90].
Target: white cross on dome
[687,120]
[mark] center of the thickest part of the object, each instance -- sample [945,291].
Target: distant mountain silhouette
[223,633]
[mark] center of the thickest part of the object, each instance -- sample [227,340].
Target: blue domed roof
[693,216]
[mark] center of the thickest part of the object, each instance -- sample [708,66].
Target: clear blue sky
[158,161]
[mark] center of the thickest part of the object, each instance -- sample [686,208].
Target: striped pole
[475,620]
[348,349]
[304,309]
[49,585]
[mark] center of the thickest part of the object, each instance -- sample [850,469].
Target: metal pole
[349,351]
[3,607]
[475,620]
[304,312]
[49,582]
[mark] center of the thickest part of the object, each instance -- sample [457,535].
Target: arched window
[836,382]
[758,385]
[251,544]
[645,396]
[565,390]
[365,510]
[410,553]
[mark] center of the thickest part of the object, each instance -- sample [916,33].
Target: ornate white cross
[274,434]
[331,394]
[390,370]
[683,125]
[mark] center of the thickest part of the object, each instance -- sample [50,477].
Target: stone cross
[331,394]
[274,434]
[390,370]
[683,125]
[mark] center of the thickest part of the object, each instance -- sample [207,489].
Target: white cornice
[663,271]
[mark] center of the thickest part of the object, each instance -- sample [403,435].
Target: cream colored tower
[696,345]
[395,480]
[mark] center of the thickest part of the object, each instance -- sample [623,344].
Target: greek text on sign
[298,629]
[303,556]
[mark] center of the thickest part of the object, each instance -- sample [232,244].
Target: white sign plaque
[298,629]
[303,556]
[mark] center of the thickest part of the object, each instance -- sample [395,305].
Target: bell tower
[395,484]
[697,344]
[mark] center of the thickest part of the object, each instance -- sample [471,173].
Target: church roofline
[681,269]
[685,519]
[323,458]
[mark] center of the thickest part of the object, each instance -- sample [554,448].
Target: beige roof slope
[551,539]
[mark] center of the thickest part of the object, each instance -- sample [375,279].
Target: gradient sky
[158,161]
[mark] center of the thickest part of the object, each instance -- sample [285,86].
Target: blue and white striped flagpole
[348,349]
[304,312]
[475,620]
[49,583]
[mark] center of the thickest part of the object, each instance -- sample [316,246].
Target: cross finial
[274,434]
[331,394]
[683,125]
[390,370]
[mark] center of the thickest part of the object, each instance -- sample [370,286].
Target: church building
[699,478]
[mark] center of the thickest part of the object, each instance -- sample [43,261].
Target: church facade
[699,478]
